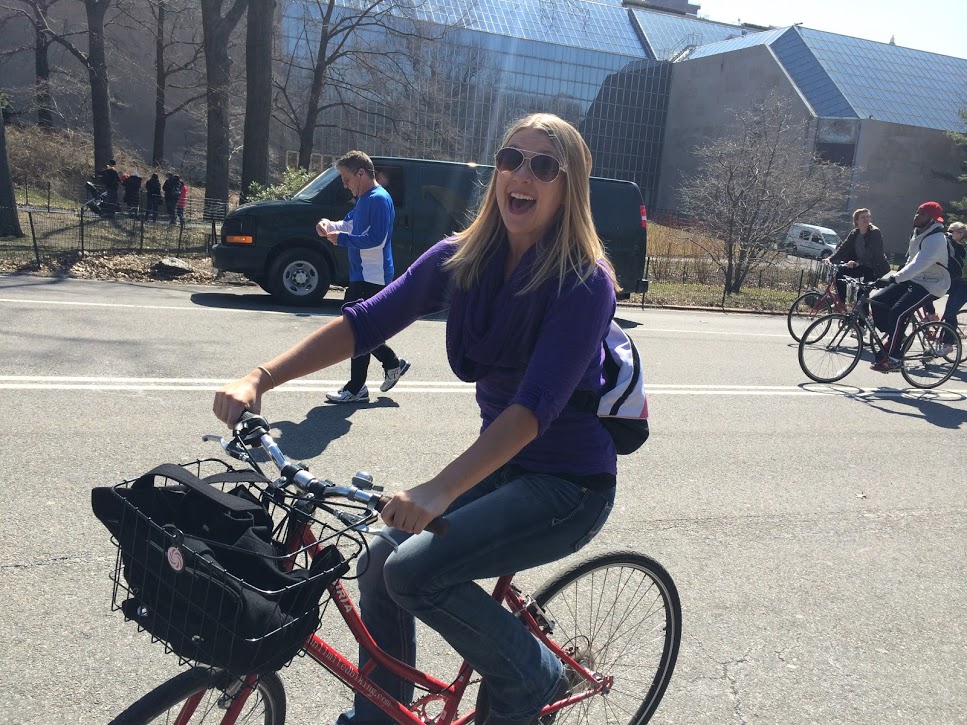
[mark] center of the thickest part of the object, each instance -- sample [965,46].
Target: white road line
[729,333]
[54,382]
[307,313]
[179,308]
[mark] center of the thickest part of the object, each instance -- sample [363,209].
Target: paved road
[817,534]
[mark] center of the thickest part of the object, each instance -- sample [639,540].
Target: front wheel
[922,364]
[807,307]
[619,616]
[198,696]
[830,348]
[299,276]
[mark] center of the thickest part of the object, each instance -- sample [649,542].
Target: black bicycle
[831,346]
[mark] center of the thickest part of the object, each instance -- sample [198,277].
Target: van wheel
[825,254]
[299,277]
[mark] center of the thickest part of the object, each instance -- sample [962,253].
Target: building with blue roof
[881,109]
[648,82]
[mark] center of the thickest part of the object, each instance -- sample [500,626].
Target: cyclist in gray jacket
[922,279]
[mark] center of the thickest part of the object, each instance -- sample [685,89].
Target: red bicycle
[614,620]
[815,303]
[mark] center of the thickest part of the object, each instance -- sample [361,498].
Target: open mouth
[520,203]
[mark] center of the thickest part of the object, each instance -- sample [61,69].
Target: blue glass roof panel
[810,76]
[763,37]
[669,35]
[577,24]
[890,82]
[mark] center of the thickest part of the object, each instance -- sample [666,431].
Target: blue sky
[937,26]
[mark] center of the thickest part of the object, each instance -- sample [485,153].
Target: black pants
[900,300]
[858,272]
[359,366]
[154,202]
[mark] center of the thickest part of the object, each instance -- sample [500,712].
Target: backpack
[955,259]
[955,255]
[622,404]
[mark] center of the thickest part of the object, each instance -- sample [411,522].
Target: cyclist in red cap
[922,279]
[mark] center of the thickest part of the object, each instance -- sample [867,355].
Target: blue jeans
[956,298]
[507,523]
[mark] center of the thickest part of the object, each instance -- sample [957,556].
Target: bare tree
[9,220]
[353,58]
[36,13]
[258,110]
[177,52]
[959,206]
[94,60]
[752,185]
[217,31]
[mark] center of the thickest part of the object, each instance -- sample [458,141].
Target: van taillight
[644,217]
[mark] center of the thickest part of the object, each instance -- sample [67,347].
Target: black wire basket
[241,591]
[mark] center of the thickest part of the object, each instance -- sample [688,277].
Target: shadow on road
[324,423]
[261,302]
[928,405]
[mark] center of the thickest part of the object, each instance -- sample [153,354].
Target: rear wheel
[167,703]
[922,365]
[619,616]
[805,310]
[830,348]
[299,276]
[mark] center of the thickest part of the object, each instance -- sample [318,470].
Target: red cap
[931,209]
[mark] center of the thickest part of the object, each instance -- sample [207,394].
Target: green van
[274,243]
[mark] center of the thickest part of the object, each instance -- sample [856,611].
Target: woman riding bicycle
[861,254]
[530,295]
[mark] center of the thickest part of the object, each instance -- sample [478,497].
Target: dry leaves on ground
[128,267]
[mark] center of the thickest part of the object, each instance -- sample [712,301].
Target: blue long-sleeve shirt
[534,350]
[367,232]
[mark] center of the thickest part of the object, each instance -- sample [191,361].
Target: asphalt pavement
[817,534]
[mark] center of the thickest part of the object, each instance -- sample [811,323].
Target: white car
[809,240]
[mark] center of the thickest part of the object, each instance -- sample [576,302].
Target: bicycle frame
[448,696]
[830,294]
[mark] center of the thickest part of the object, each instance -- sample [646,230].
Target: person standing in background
[111,181]
[366,232]
[182,201]
[153,190]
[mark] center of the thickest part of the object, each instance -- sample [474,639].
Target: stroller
[97,202]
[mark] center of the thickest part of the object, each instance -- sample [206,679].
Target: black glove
[884,282]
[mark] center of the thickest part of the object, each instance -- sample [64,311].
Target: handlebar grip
[438,526]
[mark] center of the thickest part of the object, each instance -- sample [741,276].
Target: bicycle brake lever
[231,447]
[386,537]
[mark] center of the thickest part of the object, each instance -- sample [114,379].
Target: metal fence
[696,282]
[49,233]
[673,280]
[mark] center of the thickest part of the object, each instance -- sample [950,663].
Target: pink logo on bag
[175,559]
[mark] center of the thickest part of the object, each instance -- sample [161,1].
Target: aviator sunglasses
[544,167]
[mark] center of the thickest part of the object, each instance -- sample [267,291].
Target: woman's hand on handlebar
[238,396]
[413,510]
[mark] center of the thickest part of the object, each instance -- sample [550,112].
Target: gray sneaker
[392,376]
[344,396]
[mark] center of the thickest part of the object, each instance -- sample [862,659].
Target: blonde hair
[957,227]
[575,248]
[856,214]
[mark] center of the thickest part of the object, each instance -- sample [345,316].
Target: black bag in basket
[204,574]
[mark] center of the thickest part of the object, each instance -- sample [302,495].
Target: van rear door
[616,207]
[400,181]
[445,202]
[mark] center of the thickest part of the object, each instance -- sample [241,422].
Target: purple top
[535,350]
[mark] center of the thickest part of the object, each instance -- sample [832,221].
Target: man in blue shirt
[366,232]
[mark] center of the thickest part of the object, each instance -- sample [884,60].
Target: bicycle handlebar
[253,430]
